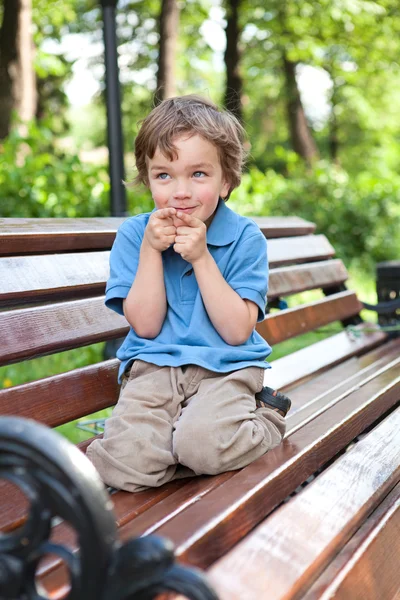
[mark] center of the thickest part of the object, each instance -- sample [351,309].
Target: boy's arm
[145,306]
[232,316]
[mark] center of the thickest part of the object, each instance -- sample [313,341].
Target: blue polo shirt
[187,335]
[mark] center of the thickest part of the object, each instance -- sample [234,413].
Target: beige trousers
[169,417]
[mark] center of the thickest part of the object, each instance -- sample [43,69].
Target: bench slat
[33,332]
[286,281]
[339,375]
[61,235]
[52,277]
[284,554]
[318,404]
[31,236]
[309,248]
[62,326]
[203,533]
[369,544]
[287,324]
[55,277]
[318,357]
[63,398]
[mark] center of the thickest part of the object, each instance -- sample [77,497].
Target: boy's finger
[165,213]
[169,230]
[189,219]
[184,230]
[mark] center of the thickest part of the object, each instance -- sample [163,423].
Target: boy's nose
[182,191]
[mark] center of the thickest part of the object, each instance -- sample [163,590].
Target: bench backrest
[53,275]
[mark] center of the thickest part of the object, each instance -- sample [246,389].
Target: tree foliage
[350,188]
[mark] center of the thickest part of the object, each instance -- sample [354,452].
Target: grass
[62,362]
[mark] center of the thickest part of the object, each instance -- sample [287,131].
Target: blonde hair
[191,115]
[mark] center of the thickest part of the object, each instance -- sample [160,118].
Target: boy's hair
[191,115]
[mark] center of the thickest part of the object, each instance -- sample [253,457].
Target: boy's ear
[225,189]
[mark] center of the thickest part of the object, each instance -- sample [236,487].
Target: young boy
[191,279]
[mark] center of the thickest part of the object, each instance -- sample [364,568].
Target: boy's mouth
[187,209]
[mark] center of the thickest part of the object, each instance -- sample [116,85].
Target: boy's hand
[160,231]
[190,241]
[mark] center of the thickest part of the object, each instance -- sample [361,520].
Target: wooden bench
[316,517]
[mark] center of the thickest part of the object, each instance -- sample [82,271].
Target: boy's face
[193,182]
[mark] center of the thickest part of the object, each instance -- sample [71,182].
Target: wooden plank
[319,403]
[283,555]
[204,532]
[320,356]
[55,277]
[286,281]
[308,248]
[273,227]
[33,332]
[31,236]
[52,277]
[306,394]
[367,567]
[63,398]
[280,326]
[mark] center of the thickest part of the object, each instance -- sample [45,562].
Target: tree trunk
[17,78]
[168,29]
[301,137]
[25,82]
[8,59]
[234,84]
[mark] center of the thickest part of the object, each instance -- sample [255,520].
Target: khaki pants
[167,417]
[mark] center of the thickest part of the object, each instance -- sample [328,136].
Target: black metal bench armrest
[383,308]
[61,484]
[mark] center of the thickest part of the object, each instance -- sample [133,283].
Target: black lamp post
[114,122]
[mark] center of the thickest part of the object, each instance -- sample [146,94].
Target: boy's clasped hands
[187,234]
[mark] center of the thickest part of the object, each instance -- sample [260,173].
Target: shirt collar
[223,228]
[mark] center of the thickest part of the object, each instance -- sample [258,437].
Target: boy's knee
[196,446]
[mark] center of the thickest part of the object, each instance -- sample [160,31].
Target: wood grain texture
[285,554]
[286,281]
[63,398]
[285,251]
[52,277]
[207,528]
[289,323]
[339,374]
[204,532]
[320,402]
[302,364]
[31,236]
[367,567]
[138,508]
[273,227]
[55,277]
[32,332]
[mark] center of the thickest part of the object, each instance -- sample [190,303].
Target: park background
[315,84]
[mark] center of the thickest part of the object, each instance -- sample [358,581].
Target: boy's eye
[162,176]
[199,174]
